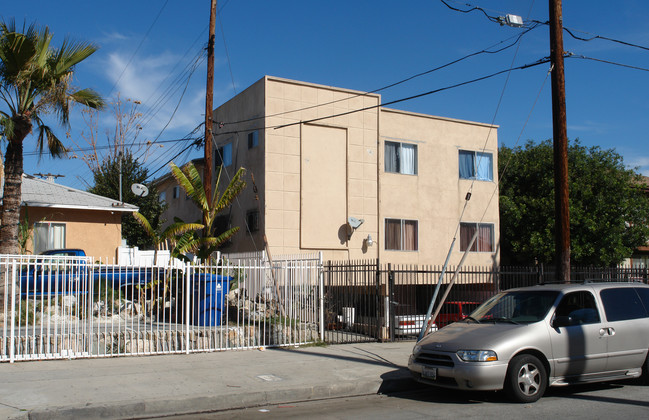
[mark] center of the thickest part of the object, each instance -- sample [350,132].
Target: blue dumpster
[208,298]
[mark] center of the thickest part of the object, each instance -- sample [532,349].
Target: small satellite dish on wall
[140,190]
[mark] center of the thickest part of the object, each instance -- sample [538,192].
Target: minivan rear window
[621,304]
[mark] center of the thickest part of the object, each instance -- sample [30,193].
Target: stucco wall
[99,233]
[292,205]
[436,195]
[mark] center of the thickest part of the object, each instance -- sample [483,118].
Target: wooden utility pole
[209,92]
[560,135]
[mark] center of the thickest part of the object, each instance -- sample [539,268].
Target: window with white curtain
[401,158]
[401,235]
[48,236]
[484,241]
[476,165]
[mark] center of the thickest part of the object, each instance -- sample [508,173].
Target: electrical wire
[138,47]
[409,98]
[583,57]
[407,79]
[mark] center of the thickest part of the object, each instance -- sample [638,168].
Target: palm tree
[171,233]
[190,180]
[35,80]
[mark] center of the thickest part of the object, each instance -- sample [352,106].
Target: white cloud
[158,83]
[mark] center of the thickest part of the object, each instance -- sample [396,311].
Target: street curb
[397,382]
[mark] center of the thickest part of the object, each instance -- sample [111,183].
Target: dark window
[176,191]
[252,220]
[622,303]
[644,297]
[253,139]
[580,307]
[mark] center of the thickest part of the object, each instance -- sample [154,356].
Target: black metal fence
[367,301]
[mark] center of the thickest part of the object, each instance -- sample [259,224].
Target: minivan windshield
[516,307]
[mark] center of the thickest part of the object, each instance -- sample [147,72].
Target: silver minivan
[524,340]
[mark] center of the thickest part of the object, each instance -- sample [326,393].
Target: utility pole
[560,141]
[209,161]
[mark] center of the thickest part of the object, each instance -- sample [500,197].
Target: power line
[606,61]
[138,47]
[567,30]
[525,66]
[486,50]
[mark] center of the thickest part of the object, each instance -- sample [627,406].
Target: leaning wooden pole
[209,98]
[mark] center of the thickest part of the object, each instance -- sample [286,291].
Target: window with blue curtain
[400,158]
[476,165]
[223,156]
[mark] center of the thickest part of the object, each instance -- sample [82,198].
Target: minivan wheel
[526,379]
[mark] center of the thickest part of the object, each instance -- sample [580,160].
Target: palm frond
[234,188]
[180,228]
[142,221]
[89,98]
[54,145]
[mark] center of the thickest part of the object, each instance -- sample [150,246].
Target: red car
[454,311]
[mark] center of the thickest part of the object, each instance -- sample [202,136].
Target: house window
[48,236]
[221,225]
[476,165]
[485,240]
[401,158]
[252,220]
[163,197]
[176,191]
[253,139]
[401,235]
[224,155]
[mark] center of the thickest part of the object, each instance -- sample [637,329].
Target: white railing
[67,307]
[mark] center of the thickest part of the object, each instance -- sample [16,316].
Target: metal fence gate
[367,301]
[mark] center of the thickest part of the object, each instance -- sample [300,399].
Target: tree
[190,180]
[609,211]
[35,80]
[170,234]
[107,182]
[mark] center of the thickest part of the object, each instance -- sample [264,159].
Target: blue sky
[147,50]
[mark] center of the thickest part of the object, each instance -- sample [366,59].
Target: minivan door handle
[606,331]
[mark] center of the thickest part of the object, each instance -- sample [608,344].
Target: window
[48,236]
[580,307]
[485,240]
[253,139]
[163,197]
[176,193]
[401,158]
[622,304]
[476,165]
[252,220]
[223,156]
[401,235]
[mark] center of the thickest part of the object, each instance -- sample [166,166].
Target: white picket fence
[71,307]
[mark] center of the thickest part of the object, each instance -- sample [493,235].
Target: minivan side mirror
[561,321]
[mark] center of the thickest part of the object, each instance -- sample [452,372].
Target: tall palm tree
[35,80]
[190,180]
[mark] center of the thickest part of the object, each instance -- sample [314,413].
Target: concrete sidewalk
[150,386]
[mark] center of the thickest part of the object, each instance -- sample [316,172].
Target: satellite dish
[354,222]
[140,190]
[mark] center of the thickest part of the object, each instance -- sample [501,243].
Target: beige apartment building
[331,170]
